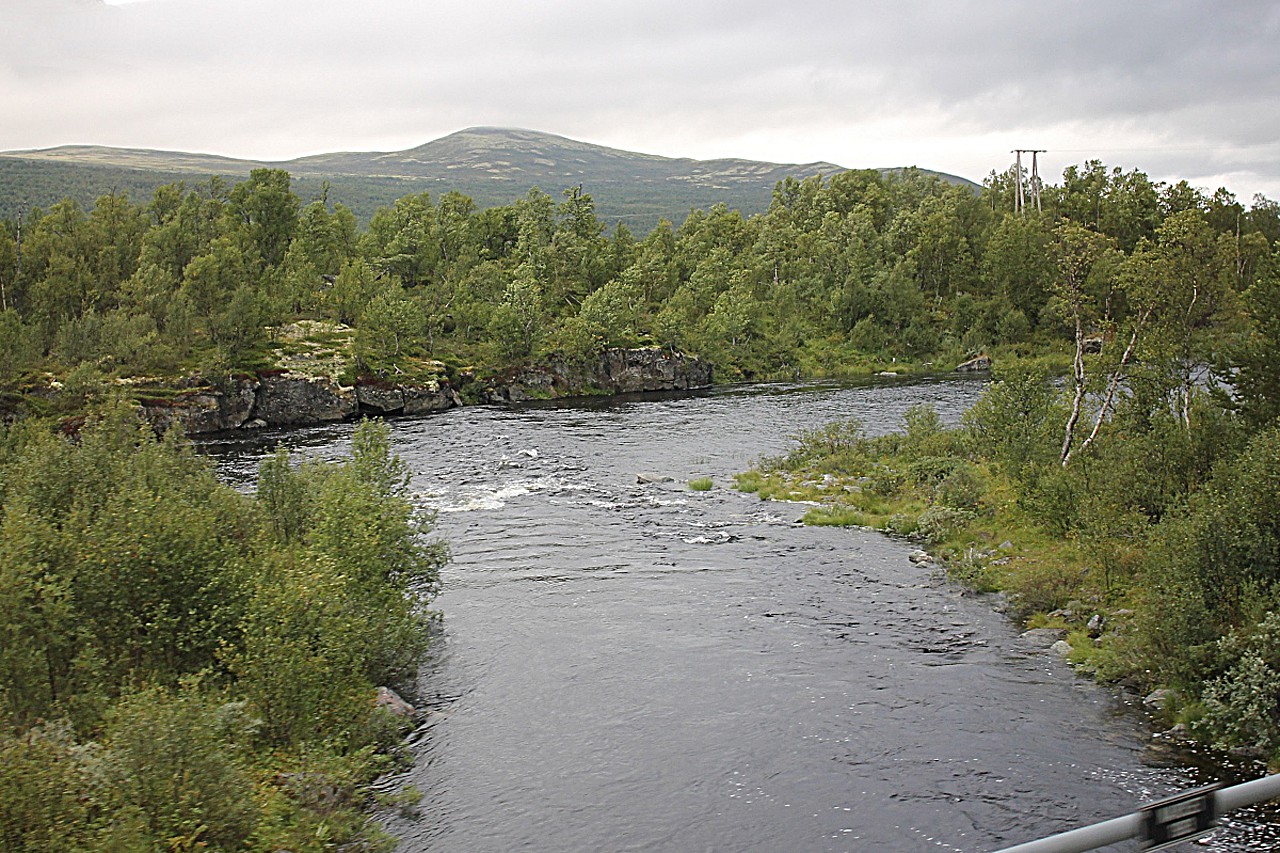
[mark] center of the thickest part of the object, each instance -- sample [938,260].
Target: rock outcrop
[279,398]
[287,400]
[205,409]
[284,398]
[614,371]
[975,365]
[376,397]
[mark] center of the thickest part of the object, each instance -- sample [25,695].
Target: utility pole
[1020,199]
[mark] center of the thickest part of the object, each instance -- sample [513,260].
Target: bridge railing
[1172,821]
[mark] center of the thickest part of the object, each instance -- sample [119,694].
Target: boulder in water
[976,364]
[389,699]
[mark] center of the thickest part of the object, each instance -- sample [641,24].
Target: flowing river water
[642,667]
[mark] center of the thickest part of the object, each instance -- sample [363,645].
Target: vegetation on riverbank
[183,667]
[1157,548]
[847,275]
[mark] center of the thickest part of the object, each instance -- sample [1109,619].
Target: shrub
[886,481]
[1042,587]
[938,522]
[1016,421]
[961,489]
[929,471]
[46,800]
[176,770]
[1242,705]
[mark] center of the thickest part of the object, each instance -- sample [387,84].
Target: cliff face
[287,400]
[615,371]
[280,398]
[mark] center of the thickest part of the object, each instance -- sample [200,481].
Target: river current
[642,667]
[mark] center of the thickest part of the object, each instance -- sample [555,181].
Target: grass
[701,484]
[987,541]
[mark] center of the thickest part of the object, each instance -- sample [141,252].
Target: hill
[491,165]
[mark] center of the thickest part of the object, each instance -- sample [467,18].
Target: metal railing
[1138,825]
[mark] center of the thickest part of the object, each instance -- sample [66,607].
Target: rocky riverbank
[614,371]
[285,398]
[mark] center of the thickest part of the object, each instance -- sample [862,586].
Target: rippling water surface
[629,667]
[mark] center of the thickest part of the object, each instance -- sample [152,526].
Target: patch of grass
[838,516]
[701,484]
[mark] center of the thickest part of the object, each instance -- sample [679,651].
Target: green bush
[1042,587]
[128,571]
[886,481]
[929,471]
[47,796]
[937,523]
[961,489]
[1242,704]
[175,771]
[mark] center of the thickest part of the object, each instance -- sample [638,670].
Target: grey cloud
[296,77]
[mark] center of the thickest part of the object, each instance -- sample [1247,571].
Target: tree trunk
[1068,437]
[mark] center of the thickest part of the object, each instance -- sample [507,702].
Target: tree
[210,279]
[355,285]
[1255,362]
[403,241]
[1083,290]
[263,214]
[1018,264]
[389,325]
[516,324]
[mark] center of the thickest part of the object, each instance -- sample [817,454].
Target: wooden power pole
[1020,199]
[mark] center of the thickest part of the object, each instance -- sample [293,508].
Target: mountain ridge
[492,165]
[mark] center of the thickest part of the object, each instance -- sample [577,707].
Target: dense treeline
[184,667]
[840,275]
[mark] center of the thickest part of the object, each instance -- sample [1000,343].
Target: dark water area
[627,667]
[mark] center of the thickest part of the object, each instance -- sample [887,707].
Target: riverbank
[1071,569]
[327,390]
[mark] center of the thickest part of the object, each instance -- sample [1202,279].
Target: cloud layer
[1179,89]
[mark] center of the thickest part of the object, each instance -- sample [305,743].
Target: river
[629,667]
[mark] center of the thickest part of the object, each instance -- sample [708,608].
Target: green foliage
[1256,381]
[390,326]
[1242,705]
[516,324]
[19,347]
[838,276]
[835,445]
[190,641]
[175,771]
[1214,563]
[701,484]
[939,522]
[46,790]
[1015,422]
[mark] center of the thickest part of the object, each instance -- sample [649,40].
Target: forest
[185,667]
[840,276]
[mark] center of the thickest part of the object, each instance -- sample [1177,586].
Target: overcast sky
[1178,89]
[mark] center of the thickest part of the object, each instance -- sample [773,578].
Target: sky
[1180,90]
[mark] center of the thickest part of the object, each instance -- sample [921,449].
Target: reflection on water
[628,666]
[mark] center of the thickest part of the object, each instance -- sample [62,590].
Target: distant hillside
[491,165]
